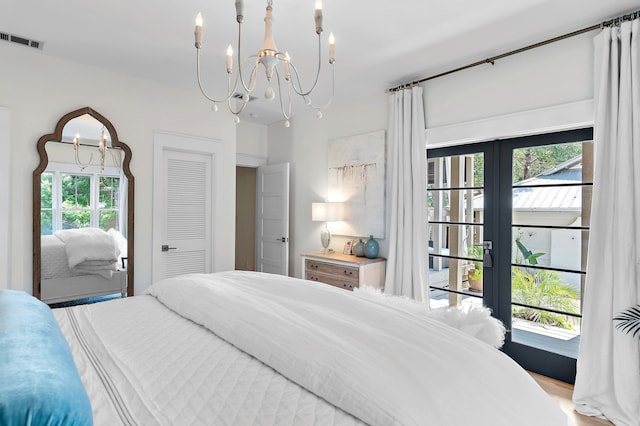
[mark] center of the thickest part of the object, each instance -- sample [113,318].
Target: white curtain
[608,375]
[407,273]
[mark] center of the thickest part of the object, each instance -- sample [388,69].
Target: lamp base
[325,238]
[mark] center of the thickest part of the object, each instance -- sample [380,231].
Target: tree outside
[531,162]
[76,208]
[46,204]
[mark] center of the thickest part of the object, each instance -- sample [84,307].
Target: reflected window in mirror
[73,199]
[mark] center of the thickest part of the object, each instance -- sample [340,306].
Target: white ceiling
[378,44]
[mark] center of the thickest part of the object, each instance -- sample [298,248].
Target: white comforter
[142,364]
[343,356]
[383,365]
[89,247]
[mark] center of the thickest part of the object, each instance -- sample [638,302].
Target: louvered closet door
[188,217]
[186,179]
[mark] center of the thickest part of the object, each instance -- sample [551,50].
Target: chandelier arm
[301,92]
[200,82]
[113,157]
[253,76]
[244,105]
[235,87]
[252,84]
[244,85]
[286,114]
[333,87]
[78,162]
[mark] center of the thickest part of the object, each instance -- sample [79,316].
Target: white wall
[251,139]
[5,200]
[304,145]
[38,90]
[555,74]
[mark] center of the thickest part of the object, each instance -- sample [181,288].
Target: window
[72,199]
[551,199]
[455,198]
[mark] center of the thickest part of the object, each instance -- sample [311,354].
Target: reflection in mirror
[91,144]
[83,211]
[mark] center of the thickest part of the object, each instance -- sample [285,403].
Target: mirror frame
[56,136]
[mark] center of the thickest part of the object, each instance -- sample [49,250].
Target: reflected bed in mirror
[83,193]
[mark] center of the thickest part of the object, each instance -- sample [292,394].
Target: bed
[79,263]
[245,348]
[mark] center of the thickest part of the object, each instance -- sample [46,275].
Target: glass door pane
[550,209]
[455,197]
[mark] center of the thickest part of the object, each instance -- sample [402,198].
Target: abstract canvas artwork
[357,177]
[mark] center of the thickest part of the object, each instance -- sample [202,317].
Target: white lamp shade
[327,212]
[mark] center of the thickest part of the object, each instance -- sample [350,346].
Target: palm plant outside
[544,289]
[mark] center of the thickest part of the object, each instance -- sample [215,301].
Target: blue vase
[358,249]
[371,248]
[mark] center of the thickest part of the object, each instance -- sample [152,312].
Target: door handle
[283,239]
[487,246]
[165,247]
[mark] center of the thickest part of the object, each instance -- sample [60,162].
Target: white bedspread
[53,257]
[288,352]
[383,365]
[142,364]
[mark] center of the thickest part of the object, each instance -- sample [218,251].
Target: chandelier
[270,58]
[103,148]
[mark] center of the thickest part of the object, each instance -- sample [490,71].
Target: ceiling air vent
[239,97]
[12,38]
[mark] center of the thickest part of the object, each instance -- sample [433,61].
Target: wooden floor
[562,393]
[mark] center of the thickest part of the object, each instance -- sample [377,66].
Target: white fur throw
[475,321]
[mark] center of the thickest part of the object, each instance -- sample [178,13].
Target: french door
[509,229]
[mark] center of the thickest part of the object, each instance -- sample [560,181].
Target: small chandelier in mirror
[103,148]
[270,58]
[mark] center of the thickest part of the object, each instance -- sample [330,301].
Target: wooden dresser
[344,271]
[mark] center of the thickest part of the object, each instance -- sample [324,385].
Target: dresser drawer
[340,272]
[334,280]
[343,271]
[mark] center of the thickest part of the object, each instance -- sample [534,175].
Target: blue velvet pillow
[39,381]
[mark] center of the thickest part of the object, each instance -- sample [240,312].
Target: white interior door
[272,219]
[186,180]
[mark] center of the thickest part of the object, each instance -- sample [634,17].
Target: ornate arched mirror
[83,204]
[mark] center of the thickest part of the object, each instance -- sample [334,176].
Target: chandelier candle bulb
[198,31]
[229,59]
[332,48]
[287,69]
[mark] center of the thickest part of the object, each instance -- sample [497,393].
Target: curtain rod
[493,59]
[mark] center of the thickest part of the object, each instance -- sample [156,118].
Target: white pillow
[475,321]
[121,241]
